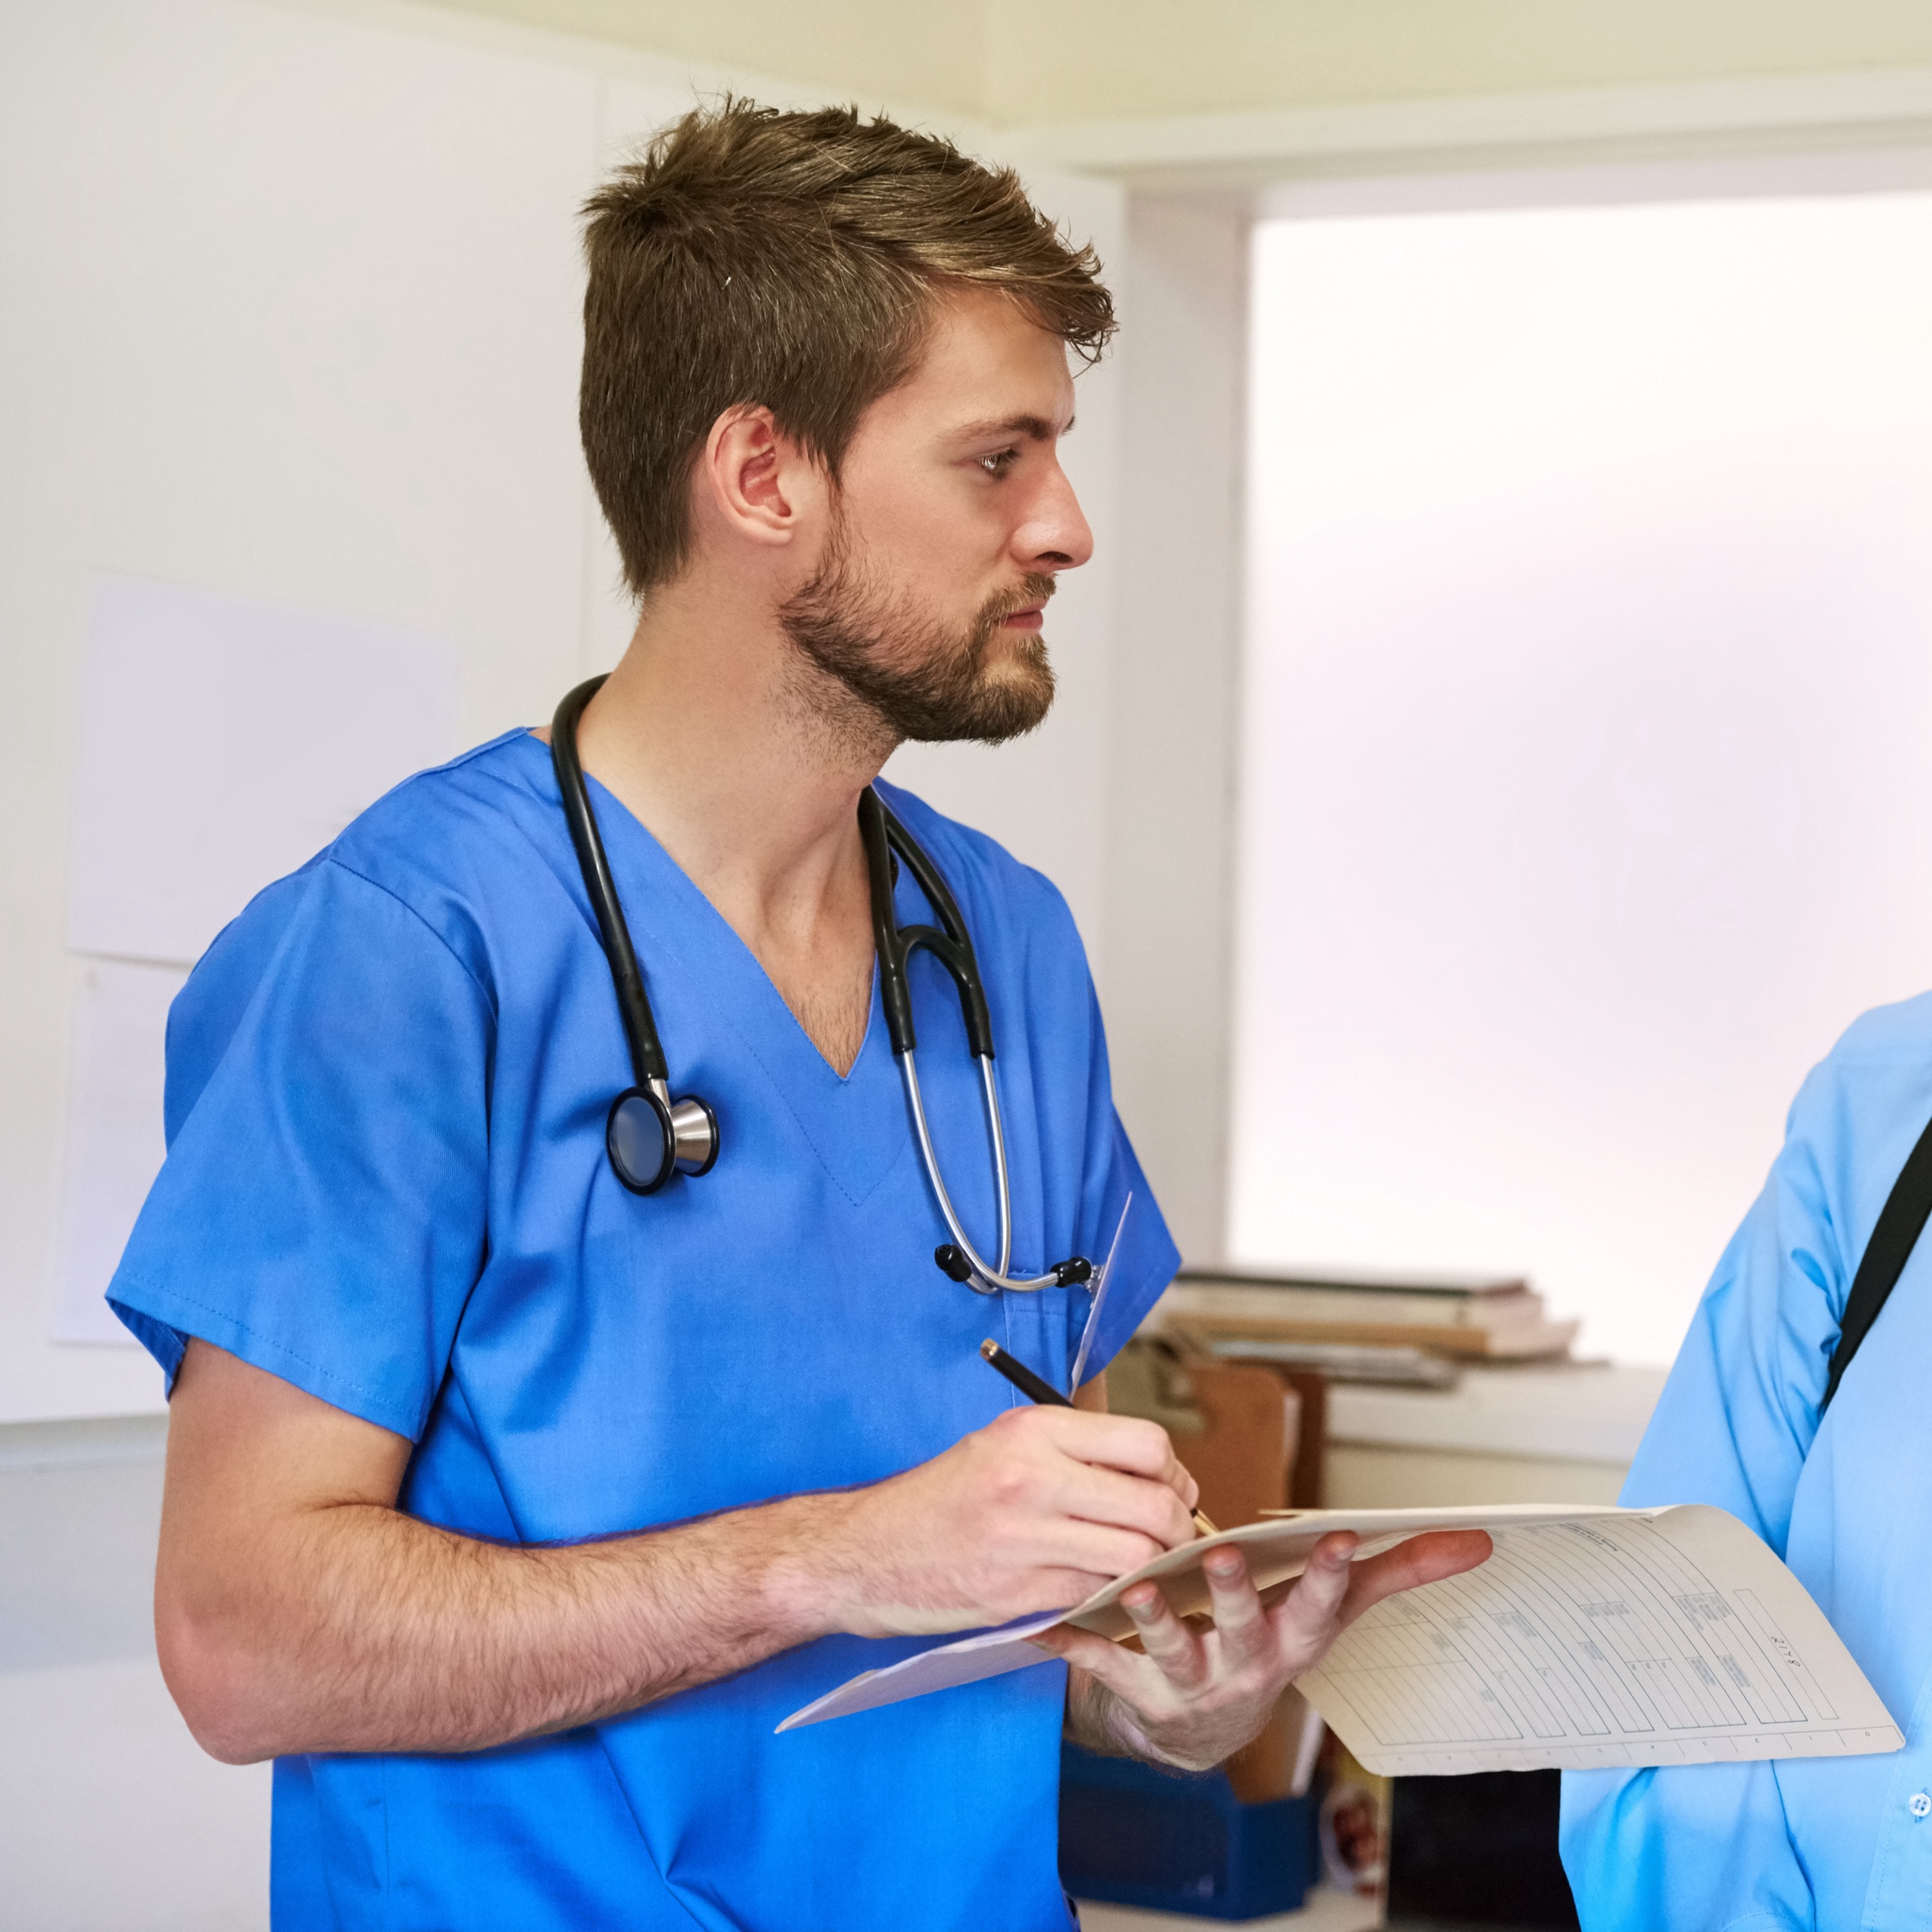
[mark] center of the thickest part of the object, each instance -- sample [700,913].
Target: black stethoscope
[650,1137]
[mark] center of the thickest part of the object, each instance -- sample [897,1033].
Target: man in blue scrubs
[510,1512]
[1813,1842]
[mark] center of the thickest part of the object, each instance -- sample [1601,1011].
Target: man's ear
[757,482]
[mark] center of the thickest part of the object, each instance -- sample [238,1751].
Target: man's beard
[907,674]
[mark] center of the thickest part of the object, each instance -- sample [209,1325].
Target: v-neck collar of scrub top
[673,923]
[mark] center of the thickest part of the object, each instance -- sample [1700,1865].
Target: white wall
[1171,776]
[1589,710]
[111,1816]
[290,317]
[292,314]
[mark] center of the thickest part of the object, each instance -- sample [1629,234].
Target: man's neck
[710,732]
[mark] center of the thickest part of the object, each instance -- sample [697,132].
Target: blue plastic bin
[1171,1842]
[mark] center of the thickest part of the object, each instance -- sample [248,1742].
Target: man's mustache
[1030,590]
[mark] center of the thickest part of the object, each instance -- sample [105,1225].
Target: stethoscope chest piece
[649,1139]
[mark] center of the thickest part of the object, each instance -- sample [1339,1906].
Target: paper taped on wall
[223,742]
[113,1141]
[1592,1637]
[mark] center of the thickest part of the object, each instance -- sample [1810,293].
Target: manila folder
[1592,1637]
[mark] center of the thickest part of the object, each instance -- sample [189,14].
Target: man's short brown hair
[754,256]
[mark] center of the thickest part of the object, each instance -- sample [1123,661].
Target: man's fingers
[1238,1617]
[1305,1617]
[1099,1495]
[1101,1549]
[1102,1659]
[1127,1443]
[1065,1590]
[1168,1641]
[1195,1697]
[1426,1559]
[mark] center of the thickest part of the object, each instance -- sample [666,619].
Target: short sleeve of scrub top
[386,1183]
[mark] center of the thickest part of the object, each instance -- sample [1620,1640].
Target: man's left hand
[1194,1697]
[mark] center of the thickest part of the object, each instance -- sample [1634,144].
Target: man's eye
[996,464]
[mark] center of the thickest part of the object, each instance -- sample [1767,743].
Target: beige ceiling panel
[1057,60]
[874,50]
[1060,60]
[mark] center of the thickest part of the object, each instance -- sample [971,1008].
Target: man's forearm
[401,1636]
[298,1609]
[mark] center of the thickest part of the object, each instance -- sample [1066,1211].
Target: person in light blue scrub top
[1844,1500]
[509,1510]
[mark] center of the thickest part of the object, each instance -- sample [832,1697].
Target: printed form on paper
[1592,1637]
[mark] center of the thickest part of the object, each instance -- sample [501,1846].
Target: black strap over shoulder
[1900,1221]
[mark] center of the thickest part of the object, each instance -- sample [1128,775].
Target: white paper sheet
[1671,1636]
[113,1141]
[1592,1637]
[222,743]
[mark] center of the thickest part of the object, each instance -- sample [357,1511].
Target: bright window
[1588,779]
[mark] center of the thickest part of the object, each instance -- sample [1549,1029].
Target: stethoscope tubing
[648,1066]
[983,1280]
[681,1135]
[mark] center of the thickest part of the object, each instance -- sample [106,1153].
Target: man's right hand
[1034,1512]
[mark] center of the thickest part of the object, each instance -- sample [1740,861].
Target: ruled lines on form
[1672,1637]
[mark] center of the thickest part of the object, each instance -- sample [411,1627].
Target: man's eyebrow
[1033,428]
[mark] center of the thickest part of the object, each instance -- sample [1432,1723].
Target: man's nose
[1055,535]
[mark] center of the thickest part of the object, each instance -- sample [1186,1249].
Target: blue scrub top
[386,1183]
[1823,1842]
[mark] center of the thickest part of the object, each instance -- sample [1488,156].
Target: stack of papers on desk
[1592,1637]
[1493,1321]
